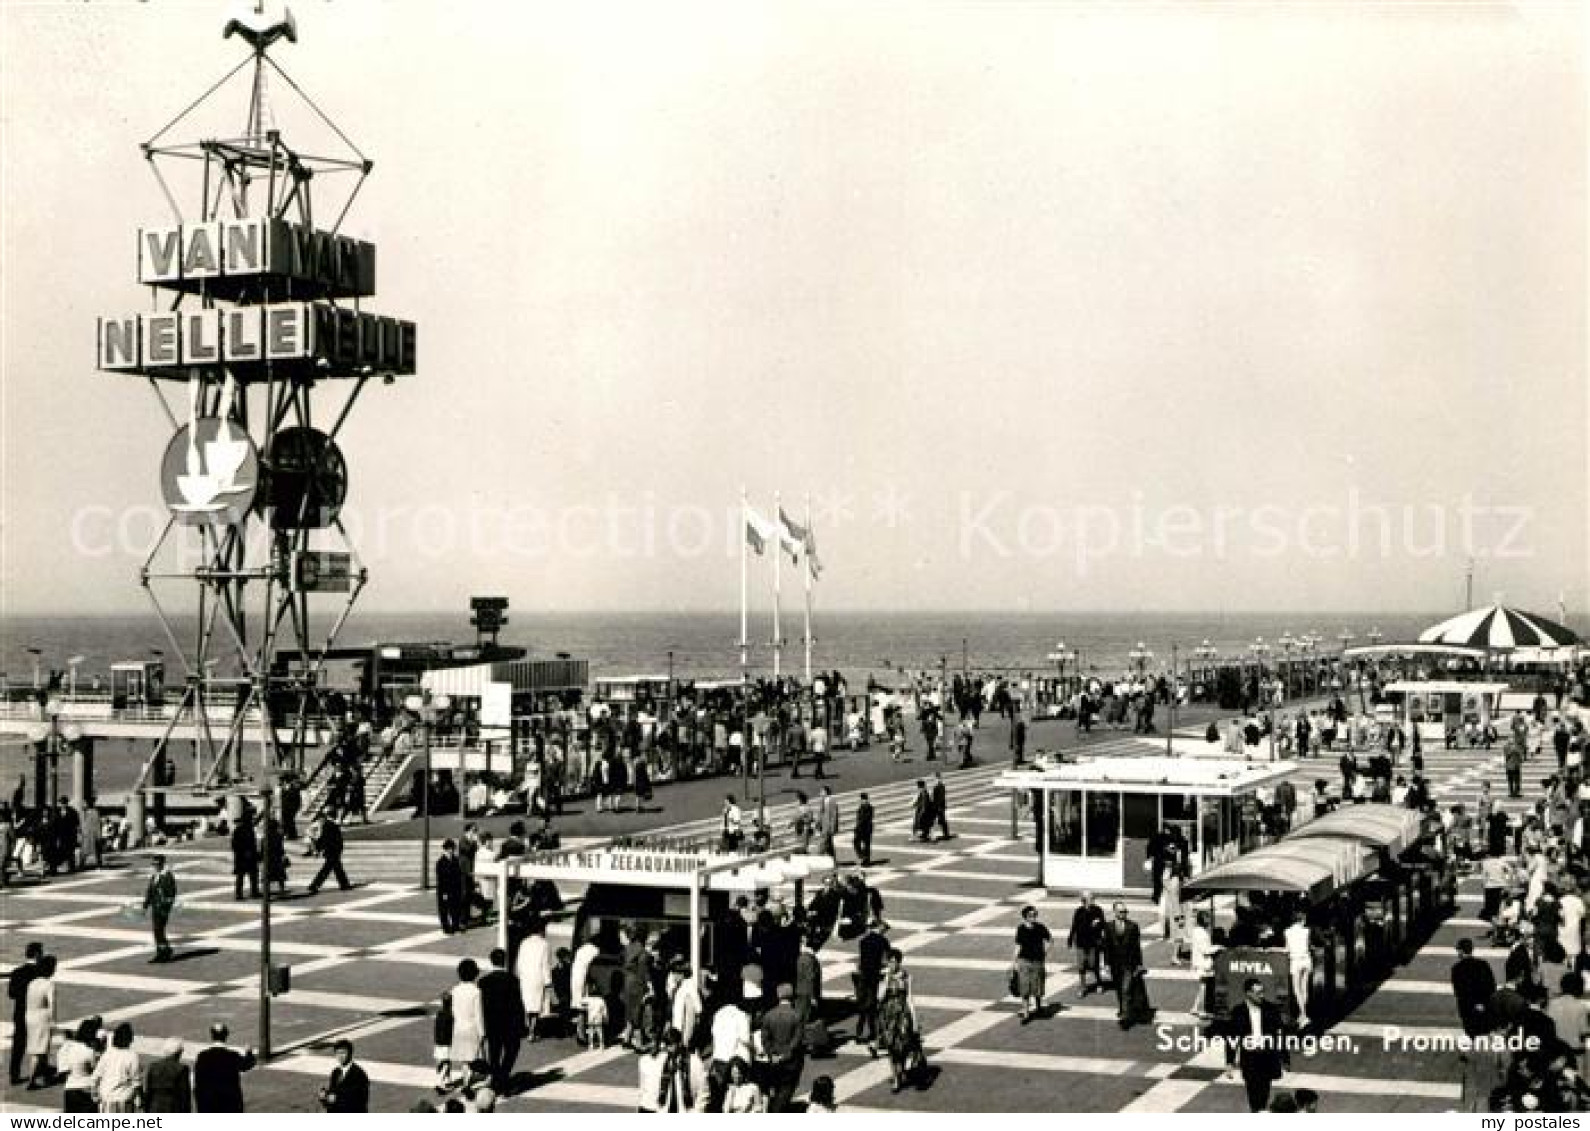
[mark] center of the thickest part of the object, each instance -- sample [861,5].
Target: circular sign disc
[307,479]
[210,473]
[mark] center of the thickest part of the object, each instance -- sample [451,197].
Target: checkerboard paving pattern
[369,963]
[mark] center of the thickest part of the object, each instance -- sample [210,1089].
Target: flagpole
[745,646]
[807,559]
[778,556]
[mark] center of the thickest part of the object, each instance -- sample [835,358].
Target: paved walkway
[369,963]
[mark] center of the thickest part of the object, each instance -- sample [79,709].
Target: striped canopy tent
[1498,628]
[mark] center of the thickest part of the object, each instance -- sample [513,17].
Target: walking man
[17,990]
[503,1010]
[218,1074]
[1256,1027]
[941,806]
[733,824]
[1514,761]
[331,865]
[1123,951]
[159,899]
[861,837]
[450,898]
[871,953]
[827,823]
[1086,939]
[1473,984]
[292,802]
[245,855]
[348,1089]
[819,747]
[783,1042]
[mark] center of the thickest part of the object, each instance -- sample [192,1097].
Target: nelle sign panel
[345,339]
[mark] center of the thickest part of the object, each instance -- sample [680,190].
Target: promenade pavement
[370,963]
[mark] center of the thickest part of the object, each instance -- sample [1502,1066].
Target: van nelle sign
[250,262]
[260,247]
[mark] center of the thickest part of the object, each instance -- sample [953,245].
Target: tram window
[1065,822]
[1178,807]
[1104,823]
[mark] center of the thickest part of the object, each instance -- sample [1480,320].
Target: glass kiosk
[1093,818]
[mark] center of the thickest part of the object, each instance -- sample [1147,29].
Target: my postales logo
[210,473]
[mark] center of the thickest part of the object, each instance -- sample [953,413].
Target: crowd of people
[1535,876]
[737,1038]
[47,839]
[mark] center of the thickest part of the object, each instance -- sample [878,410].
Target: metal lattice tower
[258,312]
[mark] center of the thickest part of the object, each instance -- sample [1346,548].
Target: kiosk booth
[1093,818]
[679,890]
[1361,878]
[137,683]
[1438,706]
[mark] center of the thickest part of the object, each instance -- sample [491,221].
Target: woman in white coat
[469,1020]
[39,1020]
[534,971]
[579,975]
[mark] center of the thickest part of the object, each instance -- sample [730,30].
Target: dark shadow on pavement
[521,1082]
[196,952]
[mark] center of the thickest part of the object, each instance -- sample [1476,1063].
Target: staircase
[385,778]
[387,781]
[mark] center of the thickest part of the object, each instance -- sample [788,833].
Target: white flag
[758,531]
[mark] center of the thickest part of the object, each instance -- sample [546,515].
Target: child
[441,1041]
[596,1018]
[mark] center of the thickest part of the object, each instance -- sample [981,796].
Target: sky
[1042,306]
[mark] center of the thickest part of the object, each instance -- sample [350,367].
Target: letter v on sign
[157,254]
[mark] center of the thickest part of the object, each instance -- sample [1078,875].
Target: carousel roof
[1496,626]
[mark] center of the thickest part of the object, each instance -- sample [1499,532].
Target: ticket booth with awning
[1093,818]
[669,886]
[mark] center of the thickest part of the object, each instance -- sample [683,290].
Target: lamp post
[427,708]
[1060,657]
[51,738]
[1207,653]
[1170,702]
[267,981]
[1260,650]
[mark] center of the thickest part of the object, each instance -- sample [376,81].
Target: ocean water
[704,645]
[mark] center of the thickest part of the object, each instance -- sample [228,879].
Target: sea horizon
[702,643]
